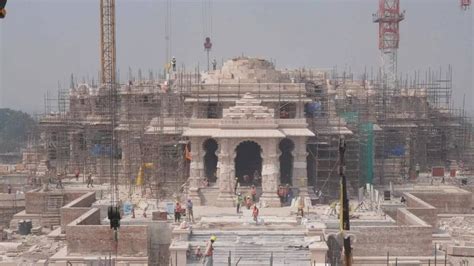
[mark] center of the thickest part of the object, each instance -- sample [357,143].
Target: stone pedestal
[318,252]
[193,194]
[270,199]
[181,234]
[315,229]
[225,199]
[178,253]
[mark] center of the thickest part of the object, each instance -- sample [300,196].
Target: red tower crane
[388,17]
[465,4]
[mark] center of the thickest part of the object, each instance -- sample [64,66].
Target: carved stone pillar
[224,178]
[270,173]
[125,171]
[195,170]
[74,151]
[299,166]
[195,108]
[299,110]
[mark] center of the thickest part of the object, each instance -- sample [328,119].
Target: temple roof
[246,70]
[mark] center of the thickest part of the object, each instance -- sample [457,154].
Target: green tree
[14,129]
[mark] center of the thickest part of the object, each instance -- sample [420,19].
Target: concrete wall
[75,209]
[86,235]
[447,200]
[160,240]
[85,200]
[470,189]
[423,210]
[10,204]
[36,200]
[411,237]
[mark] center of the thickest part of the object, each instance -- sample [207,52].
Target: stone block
[159,216]
[316,229]
[178,253]
[465,251]
[406,263]
[181,234]
[318,252]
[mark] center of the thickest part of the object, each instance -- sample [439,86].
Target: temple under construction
[191,131]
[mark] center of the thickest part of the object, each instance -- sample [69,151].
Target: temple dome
[245,70]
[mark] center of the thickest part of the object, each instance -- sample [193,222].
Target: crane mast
[389,17]
[107,43]
[109,83]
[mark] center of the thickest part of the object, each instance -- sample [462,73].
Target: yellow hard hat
[213,238]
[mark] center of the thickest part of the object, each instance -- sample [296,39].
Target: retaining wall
[447,200]
[85,235]
[410,237]
[75,209]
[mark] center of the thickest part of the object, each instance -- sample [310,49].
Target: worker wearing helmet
[239,202]
[173,63]
[208,255]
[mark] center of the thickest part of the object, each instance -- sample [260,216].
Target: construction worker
[300,207]
[76,174]
[198,253]
[208,255]
[255,213]
[189,211]
[248,202]
[173,63]
[90,180]
[246,179]
[257,179]
[253,193]
[281,193]
[289,193]
[239,201]
[214,64]
[177,212]
[59,183]
[237,184]
[403,200]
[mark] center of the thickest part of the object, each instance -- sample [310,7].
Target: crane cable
[206,17]
[168,31]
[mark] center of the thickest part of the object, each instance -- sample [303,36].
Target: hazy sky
[44,41]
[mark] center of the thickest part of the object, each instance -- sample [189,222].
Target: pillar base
[178,253]
[303,192]
[194,196]
[270,200]
[225,199]
[318,252]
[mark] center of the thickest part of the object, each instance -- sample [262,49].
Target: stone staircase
[52,216]
[254,246]
[209,195]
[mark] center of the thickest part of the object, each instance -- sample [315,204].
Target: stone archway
[286,161]
[210,159]
[247,161]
